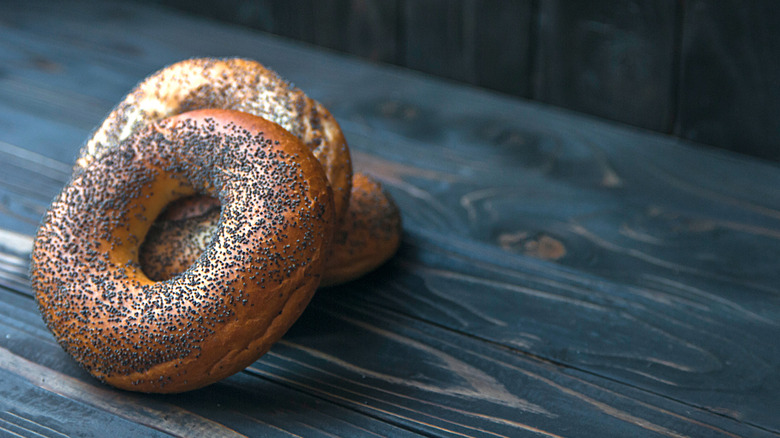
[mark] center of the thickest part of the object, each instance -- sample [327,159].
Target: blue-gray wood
[559,275]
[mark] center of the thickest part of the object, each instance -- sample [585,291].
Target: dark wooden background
[559,275]
[703,70]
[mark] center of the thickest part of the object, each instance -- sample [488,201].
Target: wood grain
[239,406]
[558,275]
[408,373]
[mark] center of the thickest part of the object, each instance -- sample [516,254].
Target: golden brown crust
[368,235]
[242,85]
[226,309]
[233,83]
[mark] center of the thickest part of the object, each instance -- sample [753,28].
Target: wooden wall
[704,70]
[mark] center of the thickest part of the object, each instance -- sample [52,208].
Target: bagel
[247,86]
[226,309]
[232,83]
[368,235]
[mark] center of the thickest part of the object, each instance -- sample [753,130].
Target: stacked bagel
[202,215]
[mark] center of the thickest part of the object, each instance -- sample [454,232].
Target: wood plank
[365,28]
[503,32]
[57,139]
[257,14]
[729,94]
[27,410]
[485,43]
[609,58]
[492,35]
[645,232]
[294,19]
[418,377]
[408,373]
[439,38]
[32,362]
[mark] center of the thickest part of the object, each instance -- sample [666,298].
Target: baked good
[226,309]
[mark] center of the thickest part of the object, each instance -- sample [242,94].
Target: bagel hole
[178,236]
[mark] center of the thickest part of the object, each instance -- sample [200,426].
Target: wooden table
[559,275]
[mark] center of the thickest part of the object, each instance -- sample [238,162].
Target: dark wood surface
[559,276]
[704,70]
